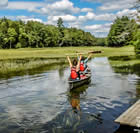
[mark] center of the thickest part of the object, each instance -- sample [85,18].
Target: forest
[124,31]
[18,34]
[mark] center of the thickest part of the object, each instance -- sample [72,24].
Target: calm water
[42,103]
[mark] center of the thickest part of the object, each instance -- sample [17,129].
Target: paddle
[90,52]
[95,52]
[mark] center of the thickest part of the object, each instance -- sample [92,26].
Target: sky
[95,16]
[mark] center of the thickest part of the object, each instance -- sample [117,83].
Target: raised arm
[89,56]
[78,65]
[86,60]
[69,61]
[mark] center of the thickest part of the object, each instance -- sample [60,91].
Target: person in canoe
[83,64]
[75,68]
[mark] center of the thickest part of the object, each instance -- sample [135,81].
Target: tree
[17,34]
[121,32]
[22,37]
[136,41]
[11,36]
[60,28]
[136,33]
[60,23]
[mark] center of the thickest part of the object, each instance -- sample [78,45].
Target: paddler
[75,68]
[83,64]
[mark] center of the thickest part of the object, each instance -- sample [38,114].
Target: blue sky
[95,16]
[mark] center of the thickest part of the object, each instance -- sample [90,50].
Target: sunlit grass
[61,52]
[10,66]
[118,61]
[17,60]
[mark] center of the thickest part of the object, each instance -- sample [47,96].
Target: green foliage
[136,41]
[77,37]
[101,42]
[121,32]
[18,45]
[11,36]
[17,34]
[124,31]
[60,23]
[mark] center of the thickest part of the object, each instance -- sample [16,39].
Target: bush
[18,45]
[137,46]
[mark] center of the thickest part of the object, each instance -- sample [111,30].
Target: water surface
[43,103]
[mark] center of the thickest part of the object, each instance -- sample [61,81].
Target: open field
[17,60]
[62,51]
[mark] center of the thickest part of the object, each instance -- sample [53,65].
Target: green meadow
[61,52]
[19,60]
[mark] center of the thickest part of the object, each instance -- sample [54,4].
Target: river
[42,102]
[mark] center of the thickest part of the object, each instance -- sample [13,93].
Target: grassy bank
[61,52]
[118,61]
[19,60]
[125,64]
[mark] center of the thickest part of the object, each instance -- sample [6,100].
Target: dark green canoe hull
[77,83]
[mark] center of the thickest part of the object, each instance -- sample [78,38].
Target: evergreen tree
[61,31]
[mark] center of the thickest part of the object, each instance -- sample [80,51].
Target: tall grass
[17,60]
[61,52]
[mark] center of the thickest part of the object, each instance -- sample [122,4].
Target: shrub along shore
[27,59]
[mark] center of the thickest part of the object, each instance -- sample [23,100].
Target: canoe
[79,82]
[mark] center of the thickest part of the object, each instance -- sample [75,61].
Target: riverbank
[125,64]
[60,52]
[27,59]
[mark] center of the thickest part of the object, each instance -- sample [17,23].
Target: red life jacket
[74,74]
[82,68]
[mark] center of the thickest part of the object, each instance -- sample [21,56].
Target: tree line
[124,31]
[18,34]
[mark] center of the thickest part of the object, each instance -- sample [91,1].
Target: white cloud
[3,3]
[55,8]
[117,5]
[113,4]
[67,18]
[93,27]
[99,30]
[93,16]
[86,10]
[26,19]
[76,24]
[126,12]
[105,17]
[98,27]
[88,16]
[30,6]
[59,8]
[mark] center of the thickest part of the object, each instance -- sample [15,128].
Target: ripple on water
[43,103]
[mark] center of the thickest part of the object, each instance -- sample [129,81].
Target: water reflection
[75,101]
[74,118]
[42,103]
[74,97]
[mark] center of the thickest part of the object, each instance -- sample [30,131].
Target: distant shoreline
[21,60]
